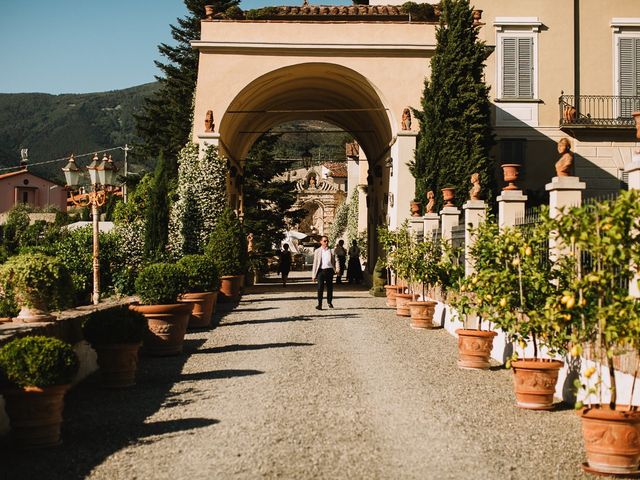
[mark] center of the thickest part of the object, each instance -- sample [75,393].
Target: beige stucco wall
[40,192]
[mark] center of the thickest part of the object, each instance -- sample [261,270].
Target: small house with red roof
[23,187]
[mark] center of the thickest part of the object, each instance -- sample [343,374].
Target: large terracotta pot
[474,348]
[415,209]
[402,300]
[510,172]
[230,288]
[422,314]
[203,307]
[535,382]
[35,414]
[167,327]
[391,291]
[448,194]
[36,313]
[611,439]
[118,364]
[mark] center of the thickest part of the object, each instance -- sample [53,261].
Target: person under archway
[324,266]
[354,269]
[285,264]
[341,256]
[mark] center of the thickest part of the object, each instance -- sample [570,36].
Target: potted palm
[228,248]
[116,335]
[39,283]
[425,258]
[202,288]
[604,245]
[39,371]
[159,285]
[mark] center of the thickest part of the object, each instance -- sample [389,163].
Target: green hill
[54,126]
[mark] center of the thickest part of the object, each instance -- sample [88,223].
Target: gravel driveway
[281,390]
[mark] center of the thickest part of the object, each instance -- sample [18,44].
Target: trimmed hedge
[116,325]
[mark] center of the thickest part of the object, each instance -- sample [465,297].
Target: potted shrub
[475,303]
[39,371]
[401,259]
[523,280]
[202,288]
[228,249]
[39,282]
[604,243]
[159,285]
[387,240]
[8,306]
[425,258]
[116,335]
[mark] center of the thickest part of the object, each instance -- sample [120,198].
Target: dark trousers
[325,277]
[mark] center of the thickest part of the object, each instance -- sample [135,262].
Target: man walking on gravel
[324,265]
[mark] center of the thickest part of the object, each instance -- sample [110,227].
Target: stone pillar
[401,181]
[363,191]
[511,205]
[450,217]
[431,224]
[475,212]
[209,138]
[633,169]
[564,192]
[417,226]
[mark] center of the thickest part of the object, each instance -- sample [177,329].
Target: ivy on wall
[352,217]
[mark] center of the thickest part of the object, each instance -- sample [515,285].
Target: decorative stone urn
[415,209]
[448,194]
[510,171]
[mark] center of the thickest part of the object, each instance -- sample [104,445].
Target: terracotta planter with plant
[402,303]
[474,348]
[227,247]
[39,282]
[116,335]
[535,382]
[602,246]
[424,263]
[421,313]
[391,291]
[159,285]
[202,288]
[40,371]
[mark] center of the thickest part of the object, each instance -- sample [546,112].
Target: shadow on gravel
[268,320]
[217,374]
[254,309]
[99,422]
[262,346]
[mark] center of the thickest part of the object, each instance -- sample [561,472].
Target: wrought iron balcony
[598,111]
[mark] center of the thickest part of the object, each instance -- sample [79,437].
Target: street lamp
[102,178]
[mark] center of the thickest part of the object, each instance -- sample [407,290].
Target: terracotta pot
[510,172]
[422,314]
[230,288]
[535,382]
[448,195]
[474,348]
[402,299]
[118,364]
[391,291]
[209,11]
[203,305]
[167,327]
[36,313]
[611,439]
[35,414]
[415,209]
[636,117]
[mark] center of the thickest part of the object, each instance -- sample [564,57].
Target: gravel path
[280,390]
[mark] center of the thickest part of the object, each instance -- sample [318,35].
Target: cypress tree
[455,121]
[157,228]
[166,121]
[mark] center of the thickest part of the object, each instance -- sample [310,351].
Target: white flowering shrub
[352,217]
[130,245]
[202,196]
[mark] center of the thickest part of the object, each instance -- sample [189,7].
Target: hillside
[54,126]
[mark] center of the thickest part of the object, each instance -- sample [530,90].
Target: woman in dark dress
[285,264]
[354,269]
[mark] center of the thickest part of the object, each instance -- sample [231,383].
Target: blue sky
[80,46]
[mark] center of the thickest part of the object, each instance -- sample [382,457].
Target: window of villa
[627,63]
[517,57]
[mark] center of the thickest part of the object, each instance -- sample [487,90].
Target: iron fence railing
[598,110]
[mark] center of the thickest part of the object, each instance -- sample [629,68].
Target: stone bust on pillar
[474,193]
[208,121]
[431,202]
[564,166]
[406,119]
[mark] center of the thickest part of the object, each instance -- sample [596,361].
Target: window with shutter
[629,67]
[517,67]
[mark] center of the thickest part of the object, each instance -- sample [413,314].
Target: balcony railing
[598,111]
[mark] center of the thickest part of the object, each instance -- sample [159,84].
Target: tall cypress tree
[166,121]
[157,228]
[455,121]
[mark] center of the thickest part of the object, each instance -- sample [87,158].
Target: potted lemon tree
[159,285]
[424,272]
[604,242]
[38,371]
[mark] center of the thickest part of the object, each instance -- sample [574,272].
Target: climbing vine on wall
[352,217]
[339,224]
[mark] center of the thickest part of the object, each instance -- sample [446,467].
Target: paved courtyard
[281,390]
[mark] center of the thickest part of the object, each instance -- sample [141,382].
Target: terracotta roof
[13,174]
[337,169]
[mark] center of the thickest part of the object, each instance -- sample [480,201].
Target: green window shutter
[629,65]
[517,67]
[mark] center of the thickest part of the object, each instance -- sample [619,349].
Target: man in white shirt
[324,266]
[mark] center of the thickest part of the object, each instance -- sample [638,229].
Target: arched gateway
[359,74]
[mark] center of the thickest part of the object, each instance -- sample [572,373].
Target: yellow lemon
[503,302]
[528,251]
[589,372]
[571,301]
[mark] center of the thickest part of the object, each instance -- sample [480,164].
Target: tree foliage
[166,123]
[455,128]
[157,228]
[227,245]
